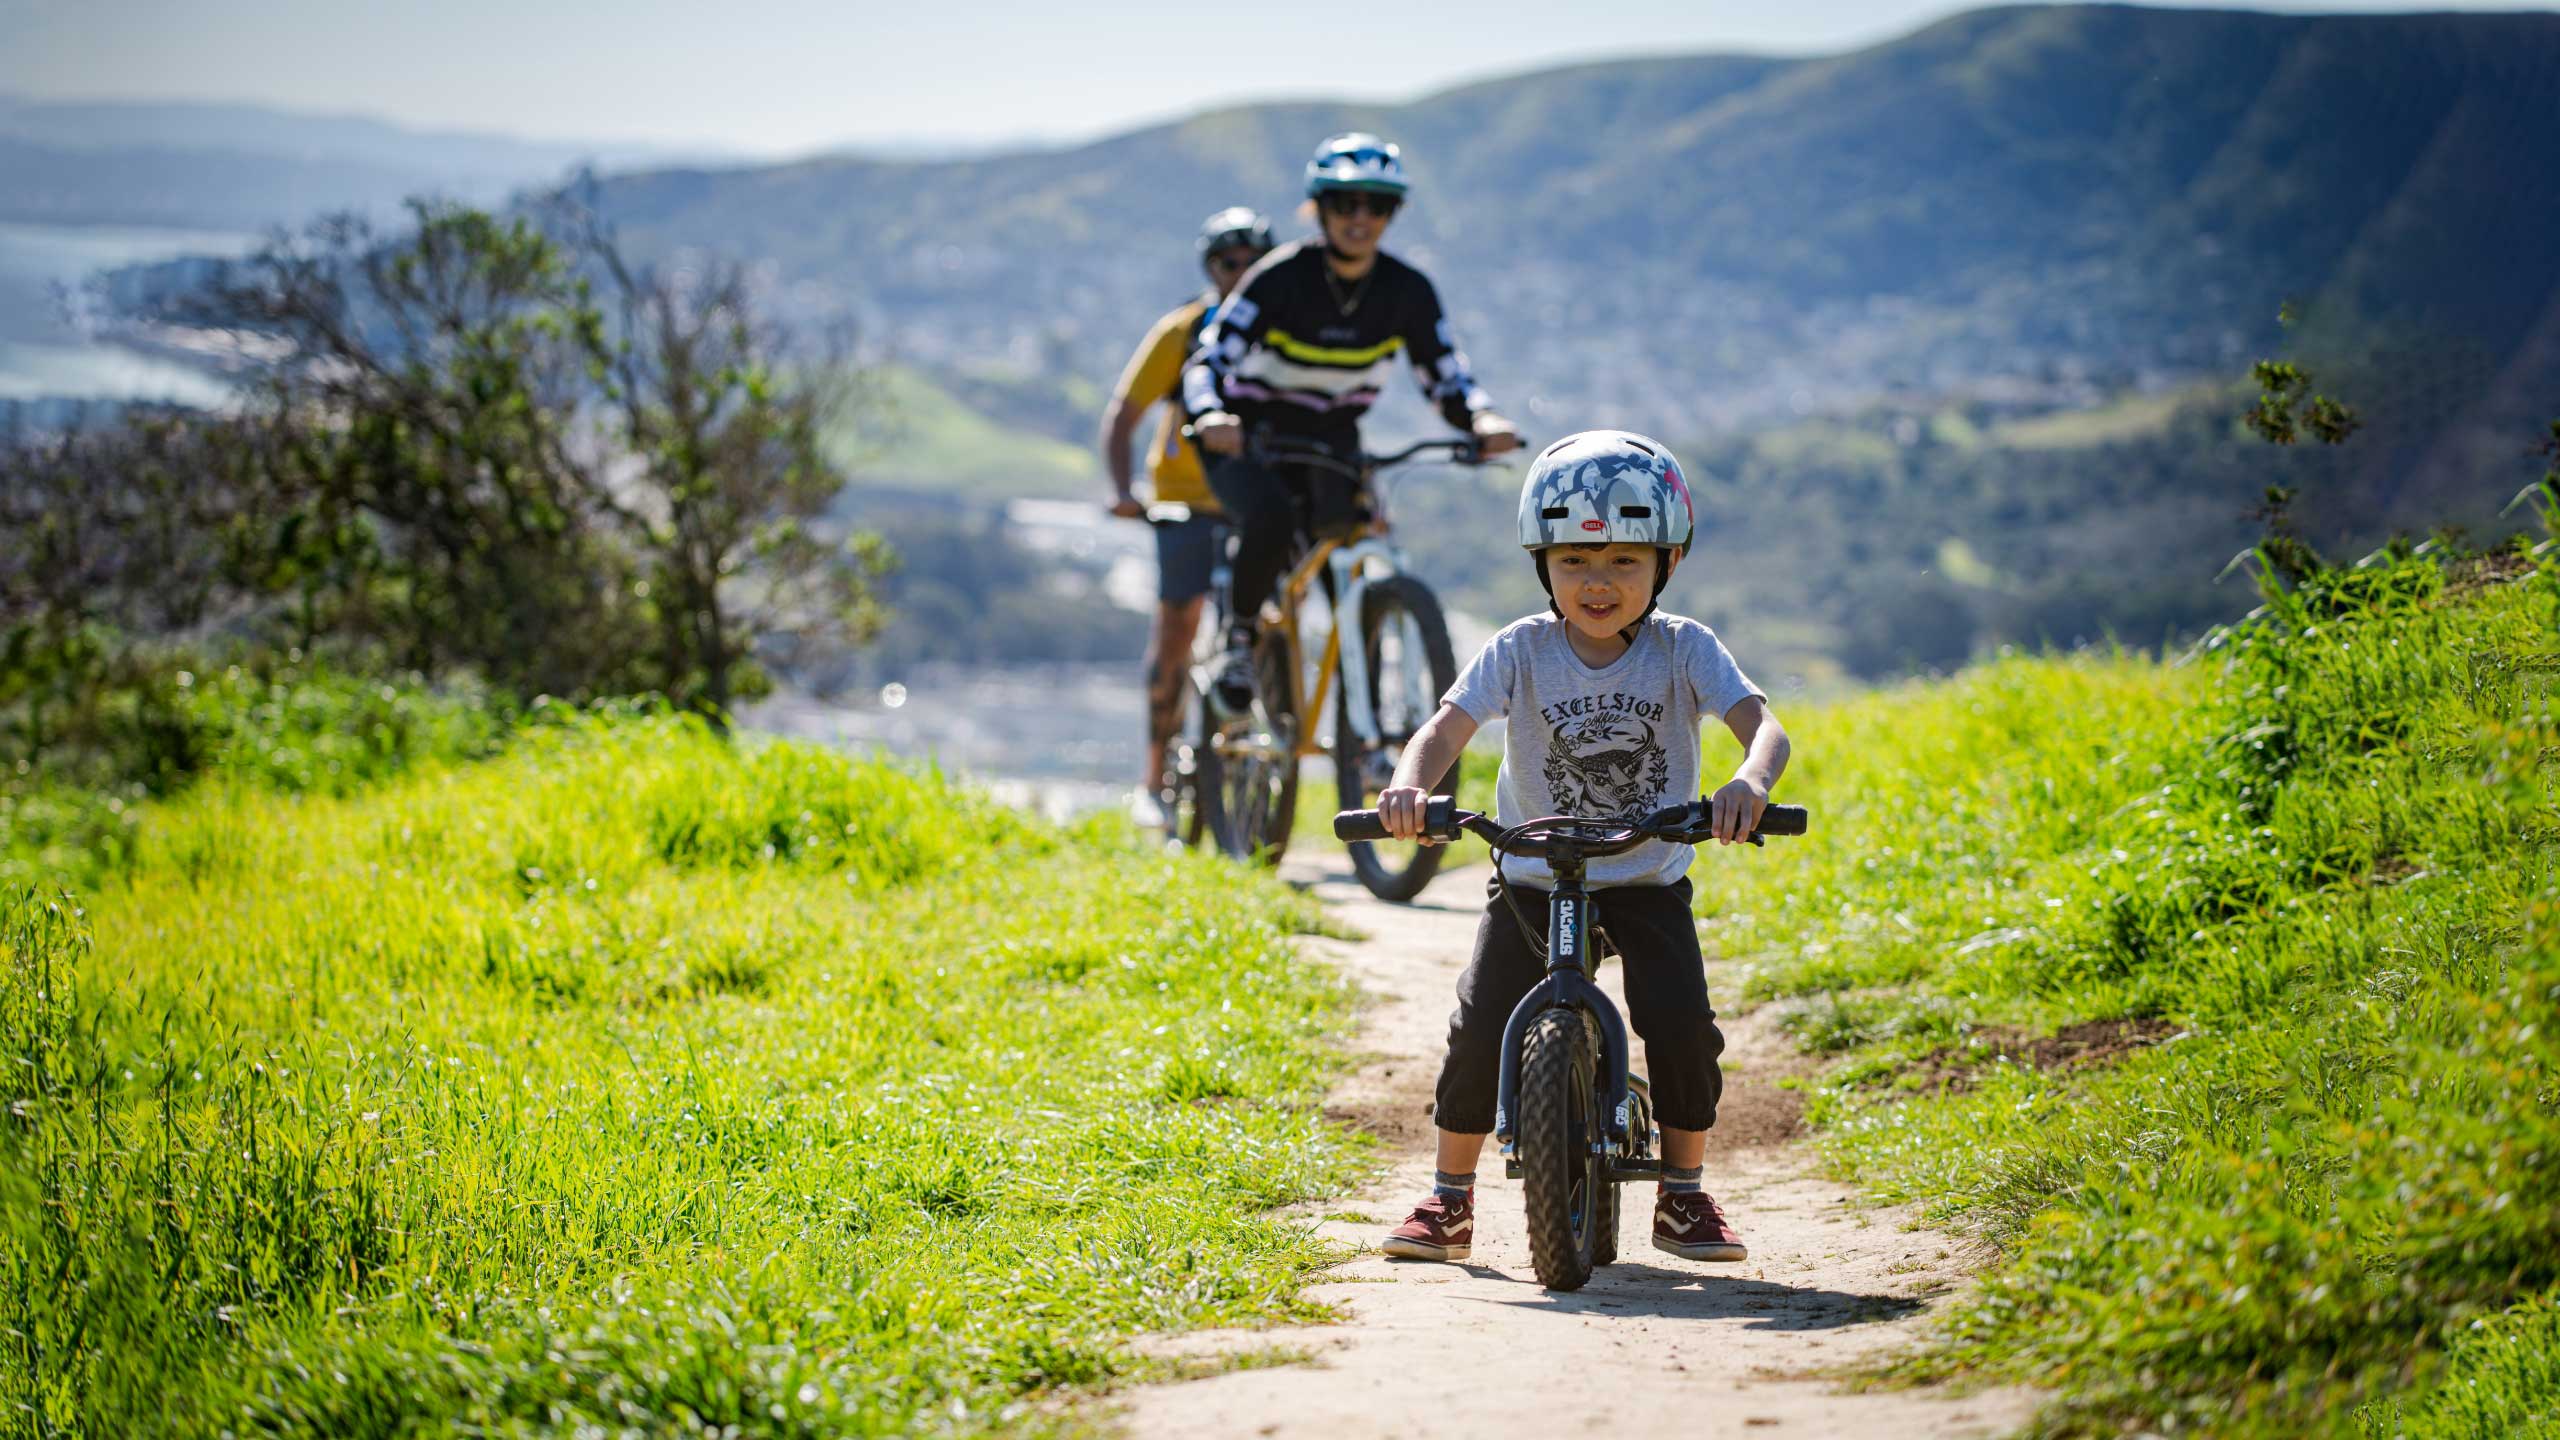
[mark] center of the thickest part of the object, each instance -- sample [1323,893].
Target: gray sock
[1453,1187]
[1684,1182]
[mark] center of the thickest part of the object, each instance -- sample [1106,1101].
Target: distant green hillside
[1892,303]
[2031,194]
[912,431]
[1890,541]
[1936,266]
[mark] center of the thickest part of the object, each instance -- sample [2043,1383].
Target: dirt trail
[1654,1345]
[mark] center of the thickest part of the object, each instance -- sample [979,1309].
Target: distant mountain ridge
[2053,198]
[1877,299]
[247,167]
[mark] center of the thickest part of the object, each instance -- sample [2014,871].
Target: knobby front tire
[1394,870]
[1562,1178]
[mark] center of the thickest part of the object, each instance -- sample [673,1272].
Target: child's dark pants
[1666,982]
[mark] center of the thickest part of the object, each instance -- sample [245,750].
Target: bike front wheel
[1404,647]
[1563,1173]
[1248,765]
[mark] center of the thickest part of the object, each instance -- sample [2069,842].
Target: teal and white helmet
[1604,487]
[1356,161]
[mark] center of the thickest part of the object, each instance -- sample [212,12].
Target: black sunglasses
[1353,202]
[1233,260]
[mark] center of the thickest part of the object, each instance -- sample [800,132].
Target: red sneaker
[1692,1226]
[1438,1229]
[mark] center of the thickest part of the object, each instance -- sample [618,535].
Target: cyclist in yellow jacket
[1186,549]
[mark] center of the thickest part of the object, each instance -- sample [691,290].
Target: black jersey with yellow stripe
[1298,349]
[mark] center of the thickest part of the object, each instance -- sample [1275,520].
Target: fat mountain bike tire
[1375,862]
[1561,1174]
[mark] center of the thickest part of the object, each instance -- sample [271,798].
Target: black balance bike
[1572,1122]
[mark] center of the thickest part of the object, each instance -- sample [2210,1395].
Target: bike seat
[1329,508]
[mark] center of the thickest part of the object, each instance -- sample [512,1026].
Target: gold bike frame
[1293,604]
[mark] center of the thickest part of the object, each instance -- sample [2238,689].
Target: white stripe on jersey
[1268,368]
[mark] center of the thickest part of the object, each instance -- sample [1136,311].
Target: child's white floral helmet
[1602,487]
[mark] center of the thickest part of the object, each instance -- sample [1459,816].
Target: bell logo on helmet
[1595,524]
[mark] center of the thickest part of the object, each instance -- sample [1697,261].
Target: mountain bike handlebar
[1591,839]
[1463,449]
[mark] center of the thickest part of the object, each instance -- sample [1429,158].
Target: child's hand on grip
[1733,812]
[1400,809]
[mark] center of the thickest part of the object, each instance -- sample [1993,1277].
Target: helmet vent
[1639,445]
[1555,512]
[1636,512]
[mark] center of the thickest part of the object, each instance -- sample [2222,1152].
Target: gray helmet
[1605,486]
[1236,225]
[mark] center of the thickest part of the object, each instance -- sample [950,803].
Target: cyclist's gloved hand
[1495,435]
[1219,433]
[1733,812]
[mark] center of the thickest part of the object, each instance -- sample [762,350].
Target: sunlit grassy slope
[635,1083]
[913,432]
[2313,855]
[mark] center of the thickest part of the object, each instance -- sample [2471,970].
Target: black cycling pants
[1666,982]
[1256,499]
[1267,505]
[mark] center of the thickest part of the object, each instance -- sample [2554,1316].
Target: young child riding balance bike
[1603,700]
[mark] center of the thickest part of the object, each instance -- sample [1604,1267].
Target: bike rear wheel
[1405,647]
[1563,1175]
[1248,766]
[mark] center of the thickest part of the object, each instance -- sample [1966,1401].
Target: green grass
[635,1083]
[630,1080]
[2500,1379]
[2315,853]
[73,789]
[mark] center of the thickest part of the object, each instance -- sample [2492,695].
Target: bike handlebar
[1464,449]
[1592,839]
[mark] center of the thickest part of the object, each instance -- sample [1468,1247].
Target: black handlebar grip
[1439,820]
[1359,825]
[1784,820]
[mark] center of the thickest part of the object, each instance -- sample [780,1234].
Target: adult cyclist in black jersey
[1300,349]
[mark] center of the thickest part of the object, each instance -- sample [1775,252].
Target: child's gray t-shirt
[1619,742]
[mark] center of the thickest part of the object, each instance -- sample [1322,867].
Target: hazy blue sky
[792,75]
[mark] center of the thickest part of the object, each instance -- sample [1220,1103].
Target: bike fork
[1568,985]
[1359,707]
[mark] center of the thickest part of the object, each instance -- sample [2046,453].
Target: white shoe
[1145,810]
